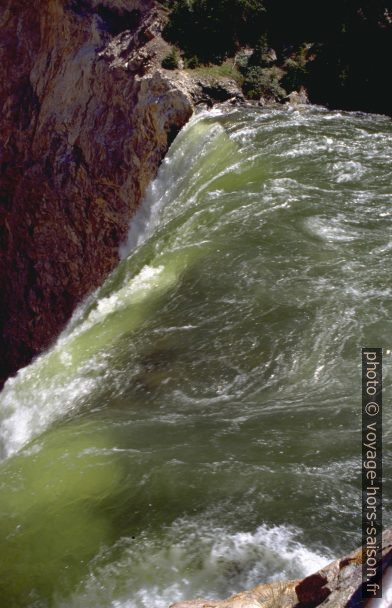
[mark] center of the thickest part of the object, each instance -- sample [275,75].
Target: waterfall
[195,429]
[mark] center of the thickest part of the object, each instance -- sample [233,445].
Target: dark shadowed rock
[87,116]
[216,90]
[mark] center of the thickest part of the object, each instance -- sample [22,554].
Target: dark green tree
[211,30]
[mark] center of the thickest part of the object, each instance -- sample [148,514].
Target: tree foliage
[350,43]
[354,63]
[171,61]
[263,82]
[212,30]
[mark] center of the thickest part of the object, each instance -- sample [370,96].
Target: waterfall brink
[60,380]
[194,430]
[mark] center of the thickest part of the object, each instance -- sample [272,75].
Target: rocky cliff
[87,116]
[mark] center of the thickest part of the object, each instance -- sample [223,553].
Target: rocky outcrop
[298,98]
[87,116]
[337,585]
[210,90]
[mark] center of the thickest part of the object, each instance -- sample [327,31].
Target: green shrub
[192,63]
[171,61]
[259,82]
[296,68]
[260,55]
[242,61]
[295,75]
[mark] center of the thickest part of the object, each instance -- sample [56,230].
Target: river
[195,430]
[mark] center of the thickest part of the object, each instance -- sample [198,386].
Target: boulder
[296,98]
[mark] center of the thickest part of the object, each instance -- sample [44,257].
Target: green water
[196,428]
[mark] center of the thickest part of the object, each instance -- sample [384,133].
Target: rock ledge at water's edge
[337,585]
[87,117]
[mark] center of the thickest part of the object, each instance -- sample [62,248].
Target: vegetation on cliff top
[338,53]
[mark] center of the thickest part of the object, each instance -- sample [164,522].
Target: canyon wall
[87,116]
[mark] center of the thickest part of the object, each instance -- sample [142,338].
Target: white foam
[347,171]
[34,399]
[196,558]
[136,290]
[189,144]
[331,230]
[27,413]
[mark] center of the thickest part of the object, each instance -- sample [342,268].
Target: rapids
[195,430]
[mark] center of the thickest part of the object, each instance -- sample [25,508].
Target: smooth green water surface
[196,428]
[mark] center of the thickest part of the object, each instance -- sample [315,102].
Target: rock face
[297,98]
[335,586]
[87,116]
[210,90]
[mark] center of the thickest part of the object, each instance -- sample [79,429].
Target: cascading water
[196,428]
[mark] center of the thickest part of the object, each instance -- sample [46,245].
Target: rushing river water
[196,428]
